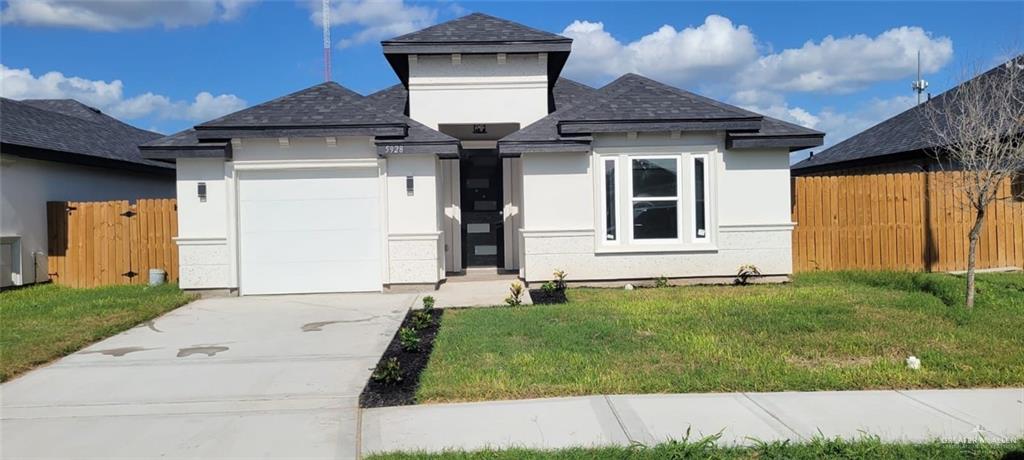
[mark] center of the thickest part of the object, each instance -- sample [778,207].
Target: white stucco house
[483,156]
[63,150]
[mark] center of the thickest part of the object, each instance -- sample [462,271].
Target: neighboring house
[481,157]
[63,150]
[882,200]
[899,144]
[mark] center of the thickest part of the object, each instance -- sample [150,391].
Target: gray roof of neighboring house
[902,135]
[69,131]
[633,103]
[477,28]
[326,109]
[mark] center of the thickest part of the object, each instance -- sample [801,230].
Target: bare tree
[977,128]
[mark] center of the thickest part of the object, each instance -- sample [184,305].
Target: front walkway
[241,377]
[917,415]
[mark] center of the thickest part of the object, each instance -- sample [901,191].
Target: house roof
[68,131]
[477,29]
[569,92]
[323,110]
[477,33]
[633,103]
[899,136]
[326,105]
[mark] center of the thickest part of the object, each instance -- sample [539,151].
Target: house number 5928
[389,149]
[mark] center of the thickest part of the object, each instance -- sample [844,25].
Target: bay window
[649,201]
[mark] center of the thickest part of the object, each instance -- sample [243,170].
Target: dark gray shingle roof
[325,104]
[904,133]
[636,103]
[569,93]
[326,109]
[72,128]
[477,28]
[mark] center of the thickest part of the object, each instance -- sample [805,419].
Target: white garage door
[303,231]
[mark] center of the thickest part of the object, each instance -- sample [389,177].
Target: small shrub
[515,297]
[421,320]
[408,338]
[388,372]
[661,282]
[549,287]
[745,273]
[428,303]
[559,279]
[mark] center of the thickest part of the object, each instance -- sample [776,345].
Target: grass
[824,331]
[868,448]
[41,323]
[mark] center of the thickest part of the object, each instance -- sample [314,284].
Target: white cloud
[375,19]
[109,96]
[107,15]
[721,53]
[714,48]
[850,63]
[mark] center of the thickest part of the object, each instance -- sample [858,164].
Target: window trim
[678,198]
[693,198]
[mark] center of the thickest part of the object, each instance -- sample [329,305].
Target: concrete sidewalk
[917,415]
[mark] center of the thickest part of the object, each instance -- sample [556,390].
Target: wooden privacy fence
[111,242]
[914,221]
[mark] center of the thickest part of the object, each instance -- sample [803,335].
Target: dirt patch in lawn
[377,393]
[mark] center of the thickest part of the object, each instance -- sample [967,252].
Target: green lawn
[824,331]
[705,449]
[41,323]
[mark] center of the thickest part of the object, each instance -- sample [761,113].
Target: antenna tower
[327,39]
[918,85]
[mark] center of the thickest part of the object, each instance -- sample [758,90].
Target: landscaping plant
[661,282]
[421,319]
[428,303]
[388,372]
[409,339]
[515,297]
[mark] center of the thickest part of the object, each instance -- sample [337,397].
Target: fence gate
[111,242]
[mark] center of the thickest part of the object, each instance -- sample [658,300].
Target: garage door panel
[305,231]
[355,276]
[285,215]
[324,245]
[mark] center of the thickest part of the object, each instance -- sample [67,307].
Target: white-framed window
[654,201]
[610,200]
[700,197]
[655,193]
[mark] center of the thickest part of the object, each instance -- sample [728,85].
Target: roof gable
[477,28]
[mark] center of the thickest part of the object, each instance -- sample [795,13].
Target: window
[655,198]
[700,224]
[654,202]
[610,197]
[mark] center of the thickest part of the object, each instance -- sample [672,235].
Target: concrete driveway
[225,377]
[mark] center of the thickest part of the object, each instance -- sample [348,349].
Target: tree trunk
[972,255]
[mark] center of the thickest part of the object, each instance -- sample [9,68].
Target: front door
[482,203]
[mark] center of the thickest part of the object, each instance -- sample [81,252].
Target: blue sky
[166,65]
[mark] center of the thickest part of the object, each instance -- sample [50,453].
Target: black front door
[482,236]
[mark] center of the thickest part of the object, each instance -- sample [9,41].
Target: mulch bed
[542,297]
[412,364]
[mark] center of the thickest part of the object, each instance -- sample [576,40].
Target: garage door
[305,231]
